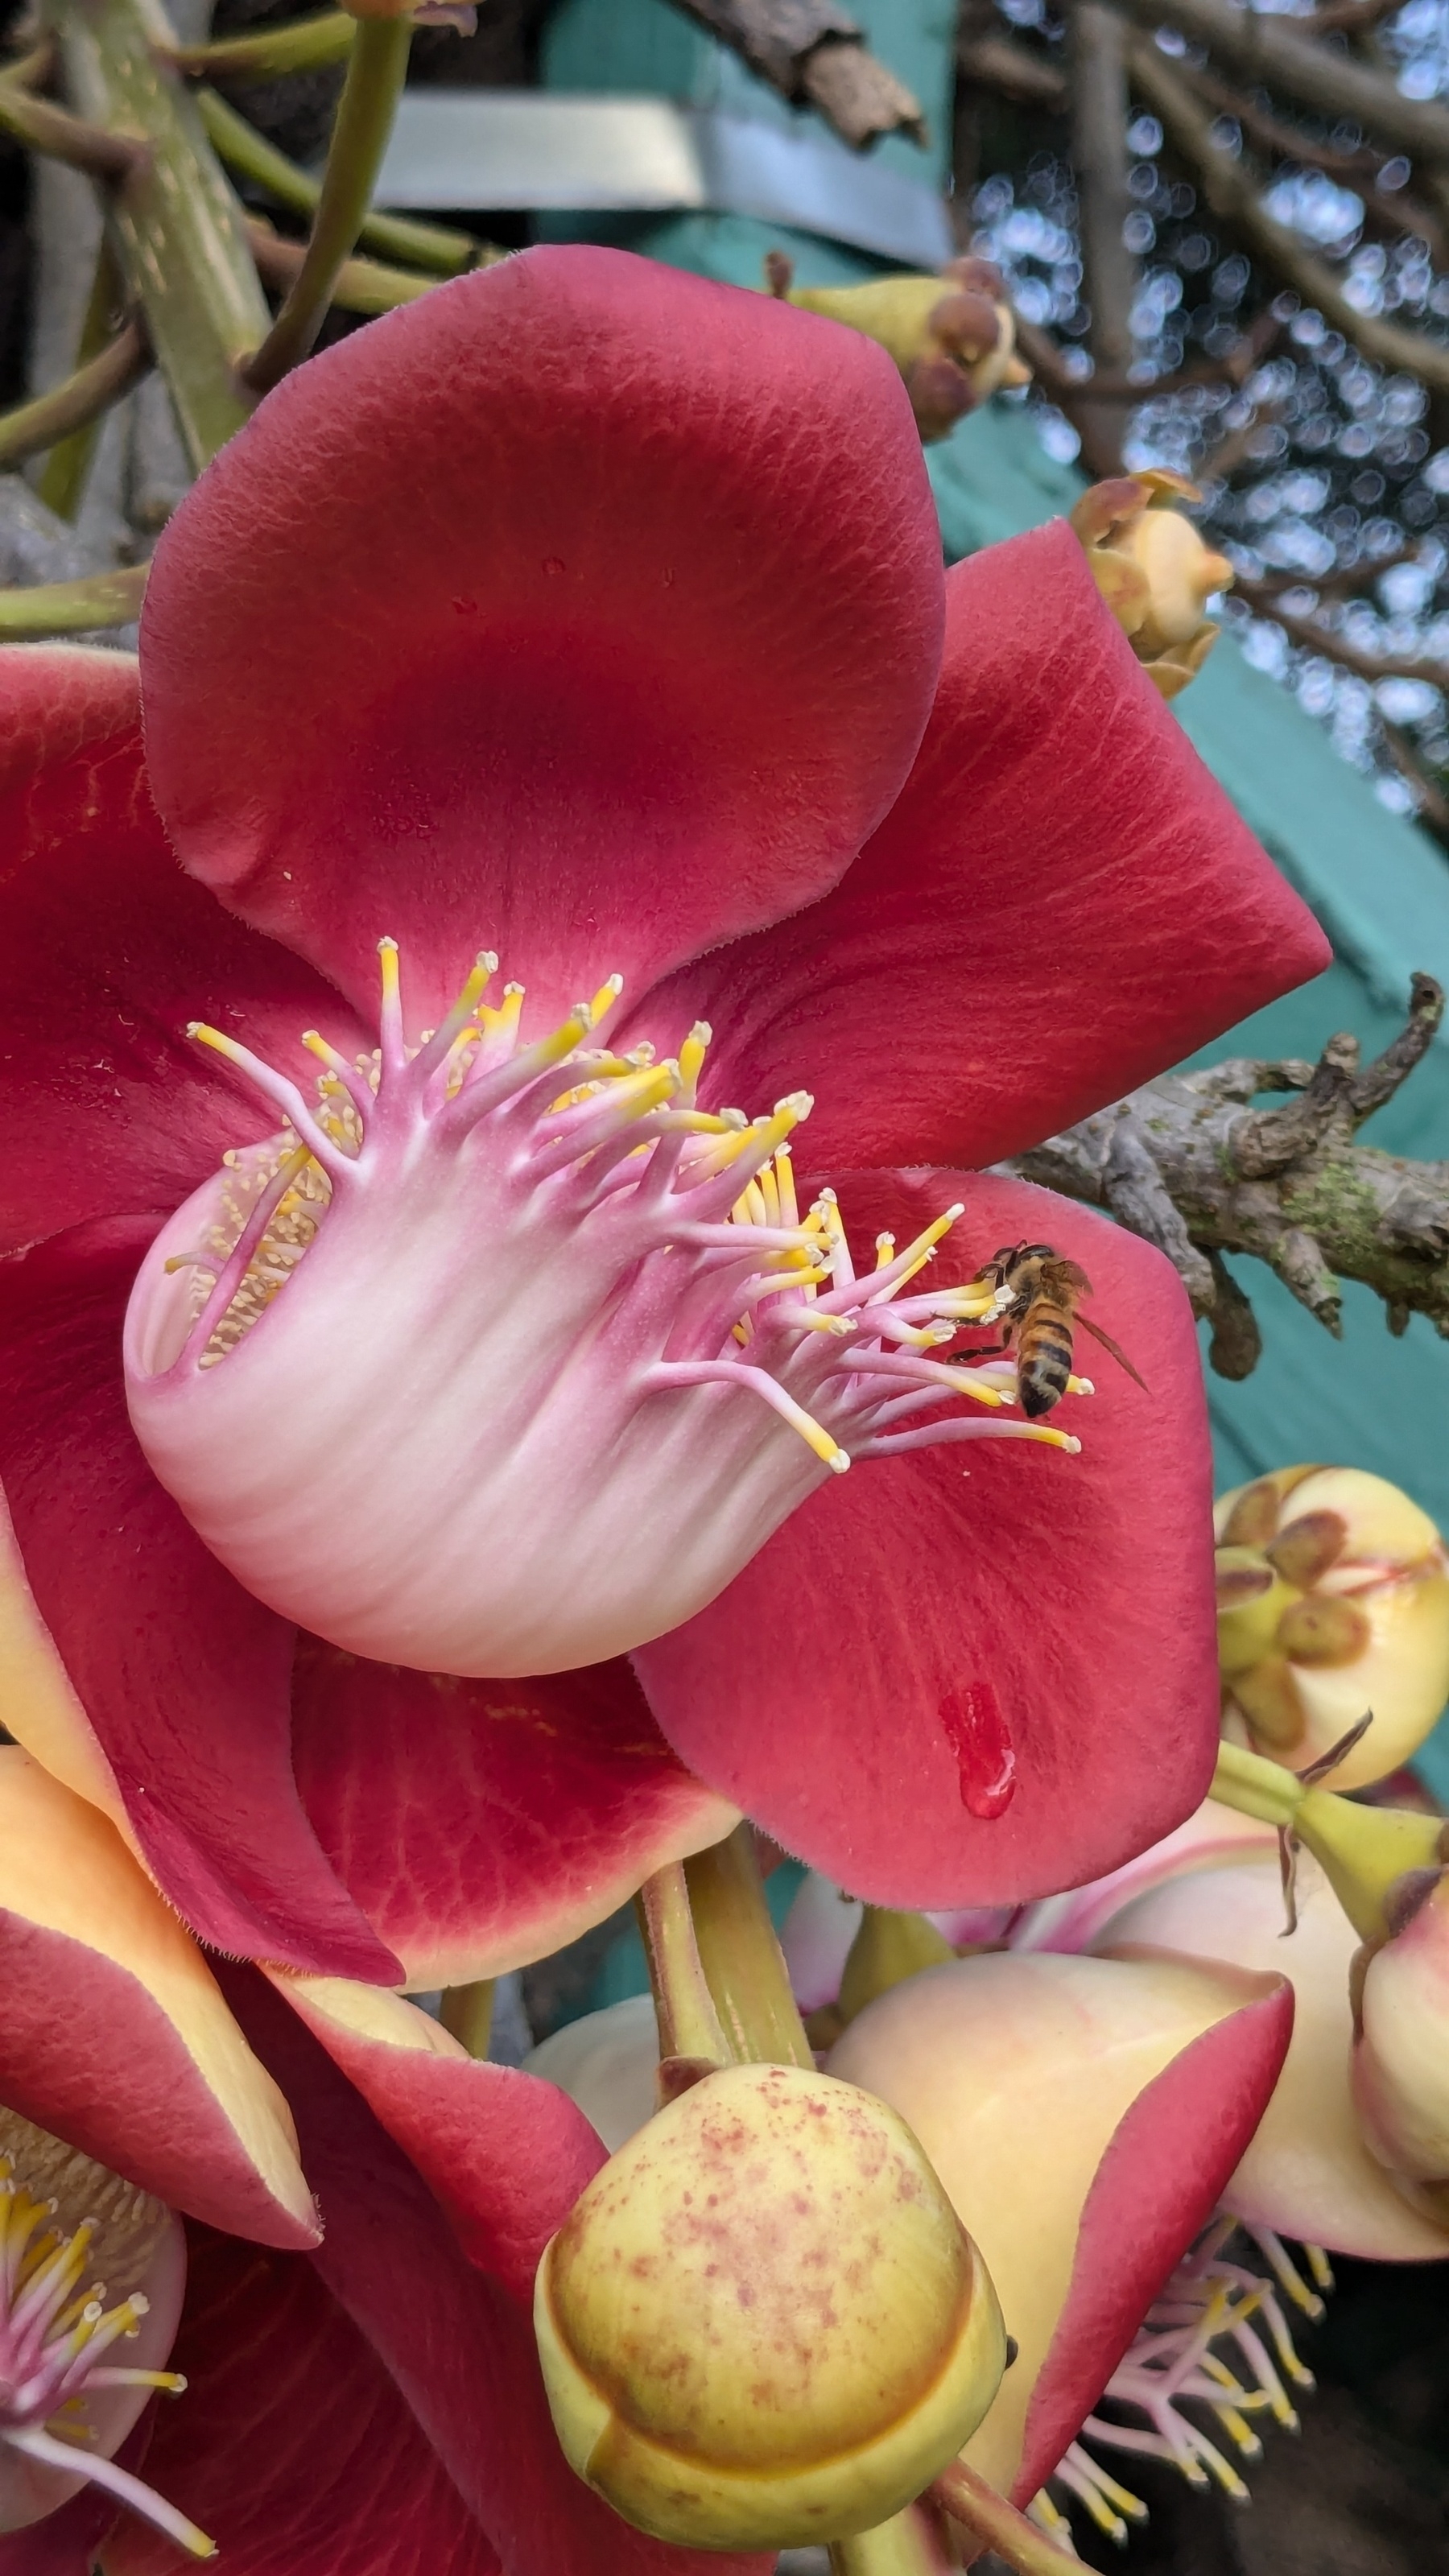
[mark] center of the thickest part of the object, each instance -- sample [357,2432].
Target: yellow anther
[216,1039]
[885,1250]
[692,1055]
[1053,1439]
[605,998]
[480,975]
[317,1045]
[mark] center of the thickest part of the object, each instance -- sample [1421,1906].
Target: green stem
[742,1958]
[1256,1787]
[72,607]
[63,137]
[467,2011]
[306,45]
[429,246]
[365,113]
[34,426]
[176,225]
[904,2546]
[363,285]
[966,2496]
[63,477]
[688,2023]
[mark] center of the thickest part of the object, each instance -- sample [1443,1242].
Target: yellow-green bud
[1153,570]
[763,2324]
[1333,1601]
[953,337]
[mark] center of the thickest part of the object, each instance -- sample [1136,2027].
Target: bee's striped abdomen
[1044,1355]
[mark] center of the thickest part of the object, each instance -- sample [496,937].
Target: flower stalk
[375,69]
[82,607]
[742,1960]
[689,2026]
[467,2012]
[75,403]
[968,2498]
[1362,1851]
[428,246]
[306,45]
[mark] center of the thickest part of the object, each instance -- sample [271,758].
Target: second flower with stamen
[517,1271]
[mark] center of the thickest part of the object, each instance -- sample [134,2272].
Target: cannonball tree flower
[345,2384]
[1084,2115]
[476,1329]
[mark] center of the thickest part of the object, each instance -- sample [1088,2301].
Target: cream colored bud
[762,2324]
[1333,1601]
[1153,570]
[1401,2056]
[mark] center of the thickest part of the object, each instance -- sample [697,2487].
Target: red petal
[457,2339]
[1155,2189]
[482,1824]
[292,2445]
[853,1687]
[107,951]
[1061,903]
[504,2153]
[114,2035]
[587,611]
[184,1677]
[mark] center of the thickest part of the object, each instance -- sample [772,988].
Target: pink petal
[587,611]
[1080,1919]
[482,1824]
[114,2035]
[1061,903]
[292,2445]
[184,1678]
[853,1687]
[107,952]
[457,2336]
[1155,2189]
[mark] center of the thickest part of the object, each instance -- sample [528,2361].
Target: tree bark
[1190,1165]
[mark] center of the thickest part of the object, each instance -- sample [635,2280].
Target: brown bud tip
[779,272]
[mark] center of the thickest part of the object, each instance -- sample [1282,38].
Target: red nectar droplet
[980,1738]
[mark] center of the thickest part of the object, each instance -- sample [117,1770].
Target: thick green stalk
[307,45]
[688,2024]
[365,113]
[429,246]
[73,405]
[176,224]
[1255,1786]
[467,2011]
[72,607]
[63,478]
[742,1958]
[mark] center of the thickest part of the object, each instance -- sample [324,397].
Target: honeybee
[1041,1318]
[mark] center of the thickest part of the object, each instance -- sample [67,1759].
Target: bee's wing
[1118,1354]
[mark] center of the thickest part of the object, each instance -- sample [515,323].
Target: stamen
[54,2335]
[1172,2364]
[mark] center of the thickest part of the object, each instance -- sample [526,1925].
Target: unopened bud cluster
[1153,570]
[1333,1602]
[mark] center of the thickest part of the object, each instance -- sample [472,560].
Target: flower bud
[763,2324]
[953,337]
[1153,571]
[1333,1601]
[1401,2053]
